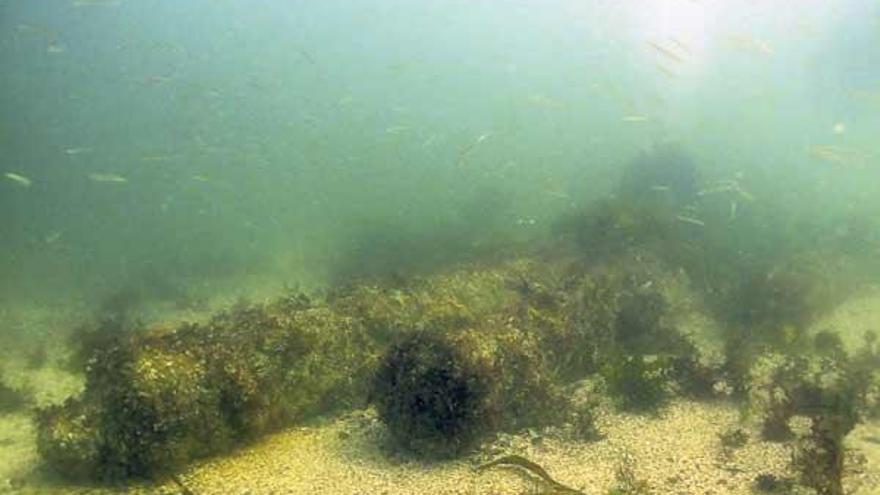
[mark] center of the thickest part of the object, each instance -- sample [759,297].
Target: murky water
[464,215]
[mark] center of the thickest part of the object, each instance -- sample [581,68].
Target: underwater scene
[452,247]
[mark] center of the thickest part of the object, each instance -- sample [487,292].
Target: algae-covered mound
[155,400]
[447,359]
[451,300]
[458,367]
[440,393]
[442,388]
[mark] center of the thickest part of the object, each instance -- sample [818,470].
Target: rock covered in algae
[467,355]
[475,350]
[441,390]
[454,300]
[625,321]
[440,393]
[69,440]
[156,400]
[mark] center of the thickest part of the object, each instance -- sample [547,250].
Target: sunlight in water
[677,35]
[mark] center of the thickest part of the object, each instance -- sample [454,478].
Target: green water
[173,154]
[289,138]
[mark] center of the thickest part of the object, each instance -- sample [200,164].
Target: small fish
[868,96]
[156,79]
[76,151]
[659,188]
[51,237]
[635,118]
[516,460]
[396,129]
[200,178]
[666,71]
[482,137]
[715,190]
[431,140]
[743,193]
[690,220]
[20,179]
[839,128]
[55,47]
[30,28]
[108,178]
[681,45]
[807,29]
[725,185]
[544,101]
[838,154]
[156,158]
[307,56]
[558,194]
[750,44]
[95,3]
[671,55]
[470,148]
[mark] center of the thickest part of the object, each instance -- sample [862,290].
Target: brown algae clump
[156,400]
[440,394]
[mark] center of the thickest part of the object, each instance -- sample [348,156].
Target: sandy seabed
[675,452]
